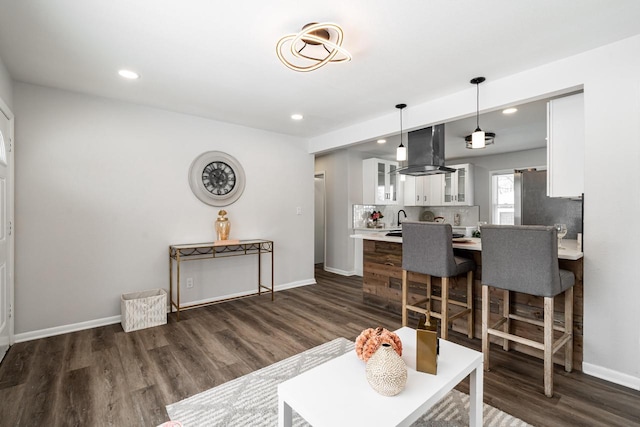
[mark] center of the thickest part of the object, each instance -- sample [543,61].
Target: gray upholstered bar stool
[427,248]
[525,259]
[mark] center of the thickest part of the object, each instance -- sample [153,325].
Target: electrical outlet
[298,211]
[189,282]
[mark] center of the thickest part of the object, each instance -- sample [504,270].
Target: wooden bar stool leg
[548,346]
[568,326]
[506,311]
[470,328]
[485,326]
[405,291]
[444,327]
[429,301]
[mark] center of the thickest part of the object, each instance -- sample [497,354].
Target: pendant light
[479,138]
[401,151]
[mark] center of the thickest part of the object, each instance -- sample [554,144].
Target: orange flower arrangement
[371,339]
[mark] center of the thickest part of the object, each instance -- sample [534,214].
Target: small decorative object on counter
[579,240]
[222,226]
[386,371]
[478,232]
[371,339]
[375,216]
[427,346]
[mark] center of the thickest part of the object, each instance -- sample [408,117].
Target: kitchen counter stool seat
[427,248]
[525,259]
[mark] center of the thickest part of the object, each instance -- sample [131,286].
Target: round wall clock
[216,178]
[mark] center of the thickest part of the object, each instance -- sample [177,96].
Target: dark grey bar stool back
[523,259]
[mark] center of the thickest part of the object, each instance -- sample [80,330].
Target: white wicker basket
[143,309]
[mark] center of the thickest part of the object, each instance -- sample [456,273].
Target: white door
[6,214]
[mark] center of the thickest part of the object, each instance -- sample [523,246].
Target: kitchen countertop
[569,252]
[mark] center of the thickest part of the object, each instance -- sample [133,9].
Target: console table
[212,250]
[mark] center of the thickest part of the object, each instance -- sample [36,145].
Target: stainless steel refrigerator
[533,207]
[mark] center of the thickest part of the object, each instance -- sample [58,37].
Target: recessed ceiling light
[128,74]
[381,141]
[297,116]
[509,110]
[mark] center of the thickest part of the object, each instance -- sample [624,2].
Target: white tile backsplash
[469,215]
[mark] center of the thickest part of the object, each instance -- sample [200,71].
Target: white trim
[297,284]
[340,272]
[611,375]
[6,111]
[64,329]
[248,293]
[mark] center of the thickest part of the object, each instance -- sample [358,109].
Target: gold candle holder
[427,347]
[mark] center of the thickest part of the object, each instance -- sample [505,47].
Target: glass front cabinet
[379,182]
[457,187]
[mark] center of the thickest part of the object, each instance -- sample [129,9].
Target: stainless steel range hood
[425,152]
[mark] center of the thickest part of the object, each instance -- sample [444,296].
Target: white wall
[484,165]
[102,191]
[6,86]
[610,76]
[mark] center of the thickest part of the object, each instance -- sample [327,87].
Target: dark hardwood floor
[105,376]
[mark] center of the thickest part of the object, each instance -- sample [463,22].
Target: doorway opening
[319,219]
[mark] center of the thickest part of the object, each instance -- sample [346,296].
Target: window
[502,197]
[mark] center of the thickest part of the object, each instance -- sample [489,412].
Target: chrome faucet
[405,215]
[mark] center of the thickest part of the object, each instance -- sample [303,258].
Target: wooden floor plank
[109,390]
[104,376]
[74,399]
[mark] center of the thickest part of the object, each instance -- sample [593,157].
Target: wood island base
[382,287]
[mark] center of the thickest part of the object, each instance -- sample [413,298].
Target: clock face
[216,178]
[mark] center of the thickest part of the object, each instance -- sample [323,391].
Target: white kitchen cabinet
[565,146]
[423,190]
[379,186]
[457,187]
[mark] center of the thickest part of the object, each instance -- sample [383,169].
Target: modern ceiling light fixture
[317,44]
[128,74]
[479,138]
[401,151]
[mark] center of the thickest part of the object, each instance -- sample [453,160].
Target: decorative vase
[222,226]
[386,371]
[371,339]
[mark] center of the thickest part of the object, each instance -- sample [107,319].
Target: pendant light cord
[477,106]
[401,127]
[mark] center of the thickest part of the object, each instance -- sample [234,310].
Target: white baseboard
[296,284]
[611,376]
[64,329]
[242,294]
[340,272]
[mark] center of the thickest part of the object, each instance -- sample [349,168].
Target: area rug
[252,400]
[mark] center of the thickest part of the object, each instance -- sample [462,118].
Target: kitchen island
[382,287]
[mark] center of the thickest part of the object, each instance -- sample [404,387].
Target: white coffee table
[337,393]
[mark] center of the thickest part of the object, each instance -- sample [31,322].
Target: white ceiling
[217,59]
